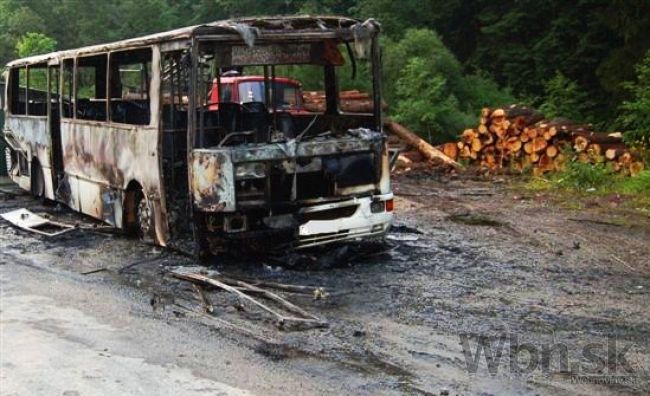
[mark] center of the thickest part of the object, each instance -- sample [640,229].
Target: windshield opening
[272,92]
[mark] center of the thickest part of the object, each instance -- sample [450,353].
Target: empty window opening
[130,80]
[91,88]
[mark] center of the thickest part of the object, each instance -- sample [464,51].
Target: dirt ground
[469,261]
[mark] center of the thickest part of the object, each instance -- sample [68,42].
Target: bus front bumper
[372,218]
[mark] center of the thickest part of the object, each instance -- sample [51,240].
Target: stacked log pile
[518,138]
[349,101]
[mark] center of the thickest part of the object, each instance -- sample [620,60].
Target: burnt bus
[129,133]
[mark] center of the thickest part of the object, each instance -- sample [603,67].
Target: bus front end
[268,168]
[302,193]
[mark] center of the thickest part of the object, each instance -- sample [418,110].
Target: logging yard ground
[482,257]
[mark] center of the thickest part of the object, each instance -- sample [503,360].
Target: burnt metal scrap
[26,220]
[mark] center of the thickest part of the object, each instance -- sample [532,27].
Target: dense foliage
[34,43]
[563,98]
[445,58]
[635,113]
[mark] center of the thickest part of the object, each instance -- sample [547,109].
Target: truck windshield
[285,95]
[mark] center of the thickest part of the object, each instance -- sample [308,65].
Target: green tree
[563,98]
[451,101]
[424,44]
[425,104]
[635,113]
[34,44]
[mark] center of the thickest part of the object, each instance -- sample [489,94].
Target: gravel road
[468,263]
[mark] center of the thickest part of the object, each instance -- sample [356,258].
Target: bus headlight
[250,170]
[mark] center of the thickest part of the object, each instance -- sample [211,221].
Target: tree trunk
[427,150]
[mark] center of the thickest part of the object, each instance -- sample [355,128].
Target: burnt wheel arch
[135,205]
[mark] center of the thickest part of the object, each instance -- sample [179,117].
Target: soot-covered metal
[164,158]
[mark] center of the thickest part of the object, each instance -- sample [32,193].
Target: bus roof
[246,29]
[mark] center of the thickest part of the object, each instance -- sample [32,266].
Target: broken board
[26,220]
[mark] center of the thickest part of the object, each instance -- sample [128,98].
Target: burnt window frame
[30,69]
[100,85]
[67,66]
[14,91]
[148,82]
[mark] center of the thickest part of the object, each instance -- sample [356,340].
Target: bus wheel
[143,217]
[37,181]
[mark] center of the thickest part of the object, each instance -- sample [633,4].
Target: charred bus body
[126,132]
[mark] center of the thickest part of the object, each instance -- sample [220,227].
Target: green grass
[595,180]
[639,184]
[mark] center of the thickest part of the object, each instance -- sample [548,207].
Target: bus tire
[144,217]
[37,182]
[138,214]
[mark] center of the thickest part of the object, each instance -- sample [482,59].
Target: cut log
[513,144]
[413,155]
[584,158]
[487,139]
[580,143]
[514,130]
[559,162]
[500,144]
[468,135]
[403,162]
[498,113]
[534,156]
[636,167]
[613,153]
[539,144]
[599,138]
[429,152]
[551,151]
[545,163]
[465,152]
[450,150]
[594,150]
[476,145]
[626,157]
[527,114]
[528,148]
[519,137]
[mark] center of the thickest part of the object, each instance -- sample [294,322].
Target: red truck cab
[287,93]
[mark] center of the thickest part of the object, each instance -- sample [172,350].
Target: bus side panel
[31,133]
[105,158]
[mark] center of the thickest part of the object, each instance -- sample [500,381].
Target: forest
[586,60]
